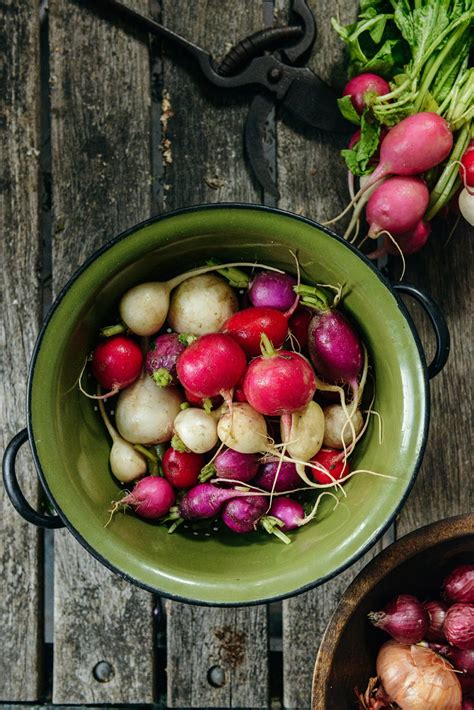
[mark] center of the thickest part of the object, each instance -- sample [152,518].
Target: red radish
[241,515]
[459,626]
[205,501]
[279,382]
[409,242]
[333,462]
[239,395]
[161,359]
[290,512]
[182,468]
[213,402]
[152,497]
[144,308]
[247,326]
[272,290]
[397,205]
[416,144]
[364,88]
[211,365]
[298,325]
[287,480]
[466,169]
[116,363]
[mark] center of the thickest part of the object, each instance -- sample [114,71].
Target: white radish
[196,429]
[305,435]
[145,413]
[144,308]
[125,462]
[337,426]
[243,429]
[201,305]
[466,205]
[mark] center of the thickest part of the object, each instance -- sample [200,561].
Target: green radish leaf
[348,110]
[357,159]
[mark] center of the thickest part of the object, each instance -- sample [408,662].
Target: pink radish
[364,88]
[241,515]
[211,365]
[152,497]
[397,205]
[278,382]
[116,363]
[409,242]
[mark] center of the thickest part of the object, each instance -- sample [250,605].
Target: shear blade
[260,111]
[315,103]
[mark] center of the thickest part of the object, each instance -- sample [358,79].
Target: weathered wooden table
[99,129]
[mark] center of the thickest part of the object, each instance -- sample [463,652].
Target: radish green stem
[312,297]
[110,330]
[172,283]
[143,450]
[266,346]
[272,525]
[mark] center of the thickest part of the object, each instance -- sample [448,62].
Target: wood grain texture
[312,181]
[20,549]
[100,102]
[444,485]
[203,157]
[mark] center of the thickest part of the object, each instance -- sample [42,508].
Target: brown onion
[459,585]
[436,612]
[459,626]
[404,618]
[416,678]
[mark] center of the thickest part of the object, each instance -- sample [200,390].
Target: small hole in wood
[216,676]
[103,672]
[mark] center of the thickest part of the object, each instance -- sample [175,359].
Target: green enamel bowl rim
[230,206]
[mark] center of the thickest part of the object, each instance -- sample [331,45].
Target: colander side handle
[14,491]
[438,322]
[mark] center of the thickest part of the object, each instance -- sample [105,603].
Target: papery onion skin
[458,586]
[416,678]
[459,626]
[404,618]
[437,613]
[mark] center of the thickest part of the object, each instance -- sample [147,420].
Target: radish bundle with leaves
[221,411]
[411,94]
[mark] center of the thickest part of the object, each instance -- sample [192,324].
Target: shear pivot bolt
[274,75]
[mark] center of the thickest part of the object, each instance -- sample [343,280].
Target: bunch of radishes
[409,668]
[215,414]
[396,195]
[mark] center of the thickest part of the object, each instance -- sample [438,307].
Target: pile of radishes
[430,661]
[237,396]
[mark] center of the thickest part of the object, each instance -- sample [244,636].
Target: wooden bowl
[415,564]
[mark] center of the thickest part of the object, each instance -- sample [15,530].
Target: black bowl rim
[168,215]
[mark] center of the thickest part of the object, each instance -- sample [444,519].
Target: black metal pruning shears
[267,61]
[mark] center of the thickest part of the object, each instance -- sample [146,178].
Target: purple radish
[397,205]
[161,359]
[272,290]
[205,501]
[288,478]
[233,465]
[241,515]
[152,497]
[290,512]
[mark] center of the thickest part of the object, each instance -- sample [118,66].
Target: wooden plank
[444,484]
[20,286]
[312,181]
[225,660]
[100,101]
